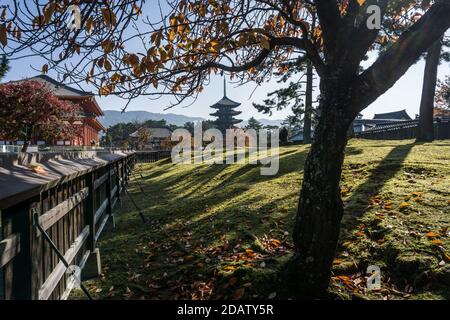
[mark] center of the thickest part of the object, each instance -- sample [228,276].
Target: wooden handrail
[54,215]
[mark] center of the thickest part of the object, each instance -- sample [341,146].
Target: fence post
[109,194]
[90,211]
[18,273]
[92,267]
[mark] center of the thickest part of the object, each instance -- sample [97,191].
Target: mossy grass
[224,231]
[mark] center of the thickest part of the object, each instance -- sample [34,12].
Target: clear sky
[404,95]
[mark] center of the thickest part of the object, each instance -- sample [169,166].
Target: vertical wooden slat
[89,215]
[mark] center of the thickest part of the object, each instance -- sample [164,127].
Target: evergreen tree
[435,55]
[253,124]
[443,93]
[4,67]
[284,135]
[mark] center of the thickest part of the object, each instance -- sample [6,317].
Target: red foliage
[29,110]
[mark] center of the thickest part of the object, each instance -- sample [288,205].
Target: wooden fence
[409,130]
[73,213]
[152,156]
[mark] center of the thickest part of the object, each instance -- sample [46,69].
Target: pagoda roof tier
[228,121]
[225,102]
[225,113]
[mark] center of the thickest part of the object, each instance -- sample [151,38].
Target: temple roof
[65,92]
[58,88]
[396,115]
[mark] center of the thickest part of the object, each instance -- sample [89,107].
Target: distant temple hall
[225,112]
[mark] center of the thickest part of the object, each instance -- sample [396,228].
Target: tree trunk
[320,207]
[308,103]
[426,128]
[28,137]
[25,147]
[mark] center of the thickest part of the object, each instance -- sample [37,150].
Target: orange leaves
[265,42]
[108,46]
[361,2]
[214,46]
[432,234]
[446,257]
[344,190]
[39,169]
[109,17]
[230,268]
[436,242]
[404,206]
[45,69]
[156,38]
[250,253]
[89,25]
[387,205]
[106,90]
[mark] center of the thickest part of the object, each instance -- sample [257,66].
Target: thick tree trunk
[320,207]
[308,103]
[25,147]
[426,130]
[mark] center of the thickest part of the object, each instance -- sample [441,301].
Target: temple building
[88,119]
[225,112]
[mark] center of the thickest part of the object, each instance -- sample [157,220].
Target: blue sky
[404,95]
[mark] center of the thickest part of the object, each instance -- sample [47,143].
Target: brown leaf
[436,242]
[432,234]
[233,281]
[239,293]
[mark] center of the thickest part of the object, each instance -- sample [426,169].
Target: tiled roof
[59,89]
[155,133]
[396,115]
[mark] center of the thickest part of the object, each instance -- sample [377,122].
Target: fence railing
[408,130]
[73,213]
[152,156]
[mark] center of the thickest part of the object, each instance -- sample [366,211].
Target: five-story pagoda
[225,112]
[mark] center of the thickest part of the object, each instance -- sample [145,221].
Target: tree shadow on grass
[386,170]
[359,203]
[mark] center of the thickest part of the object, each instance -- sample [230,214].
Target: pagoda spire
[224,86]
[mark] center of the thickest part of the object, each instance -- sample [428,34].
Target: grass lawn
[224,231]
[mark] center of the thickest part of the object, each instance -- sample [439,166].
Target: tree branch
[394,63]
[330,20]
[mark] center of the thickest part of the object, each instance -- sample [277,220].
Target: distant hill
[112,118]
[266,122]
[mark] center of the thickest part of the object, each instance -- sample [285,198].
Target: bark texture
[426,130]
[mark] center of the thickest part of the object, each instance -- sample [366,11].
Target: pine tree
[4,67]
[253,124]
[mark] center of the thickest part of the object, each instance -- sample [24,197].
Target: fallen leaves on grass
[404,205]
[436,242]
[239,293]
[432,234]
